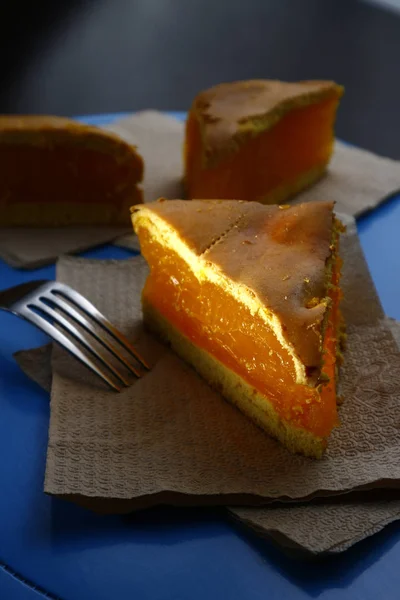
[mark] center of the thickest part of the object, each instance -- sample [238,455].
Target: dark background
[75,57]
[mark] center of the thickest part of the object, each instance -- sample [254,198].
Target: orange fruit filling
[216,322]
[70,174]
[269,166]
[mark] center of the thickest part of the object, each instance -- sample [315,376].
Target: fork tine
[66,343]
[59,303]
[82,303]
[72,330]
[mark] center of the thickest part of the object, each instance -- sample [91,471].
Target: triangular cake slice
[249,295]
[260,140]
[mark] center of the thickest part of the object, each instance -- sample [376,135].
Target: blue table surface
[50,548]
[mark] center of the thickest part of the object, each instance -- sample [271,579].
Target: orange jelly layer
[72,174]
[300,141]
[225,328]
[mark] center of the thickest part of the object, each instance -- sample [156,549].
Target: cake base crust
[289,190]
[233,388]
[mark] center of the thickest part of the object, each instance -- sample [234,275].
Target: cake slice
[249,295]
[58,172]
[259,140]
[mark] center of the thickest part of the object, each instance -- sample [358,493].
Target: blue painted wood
[48,546]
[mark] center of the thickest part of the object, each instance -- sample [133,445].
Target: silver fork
[43,303]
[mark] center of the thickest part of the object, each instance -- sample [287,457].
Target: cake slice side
[228,325]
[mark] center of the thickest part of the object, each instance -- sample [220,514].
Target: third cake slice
[249,295]
[56,172]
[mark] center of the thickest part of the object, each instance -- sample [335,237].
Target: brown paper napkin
[357,180]
[330,526]
[159,139]
[171,440]
[28,248]
[327,527]
[166,434]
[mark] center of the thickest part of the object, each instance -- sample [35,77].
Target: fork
[44,304]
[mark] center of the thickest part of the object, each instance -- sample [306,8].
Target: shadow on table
[316,574]
[74,526]
[161,525]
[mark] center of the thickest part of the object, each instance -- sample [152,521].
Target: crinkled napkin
[171,439]
[30,248]
[357,180]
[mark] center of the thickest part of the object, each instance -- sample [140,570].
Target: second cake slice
[259,140]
